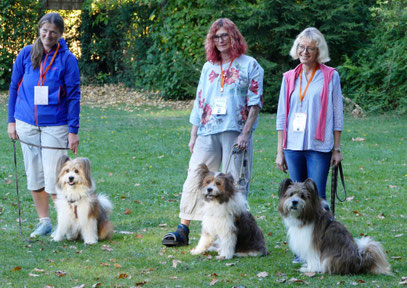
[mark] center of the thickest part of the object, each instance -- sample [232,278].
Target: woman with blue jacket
[44,105]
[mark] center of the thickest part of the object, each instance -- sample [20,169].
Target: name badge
[220,105]
[299,122]
[41,95]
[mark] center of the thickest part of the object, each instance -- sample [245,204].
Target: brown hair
[37,51]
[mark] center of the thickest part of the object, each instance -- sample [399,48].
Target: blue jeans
[309,164]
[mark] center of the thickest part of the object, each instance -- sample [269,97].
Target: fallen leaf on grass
[162,225]
[96,285]
[138,236]
[230,264]
[358,139]
[213,282]
[127,212]
[117,265]
[396,257]
[80,286]
[175,263]
[295,280]
[126,232]
[33,275]
[38,270]
[403,281]
[262,274]
[380,216]
[104,264]
[398,235]
[141,283]
[106,248]
[17,268]
[60,273]
[123,276]
[310,274]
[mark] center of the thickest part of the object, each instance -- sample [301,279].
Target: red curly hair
[237,41]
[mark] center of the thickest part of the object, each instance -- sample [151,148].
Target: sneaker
[42,228]
[297,260]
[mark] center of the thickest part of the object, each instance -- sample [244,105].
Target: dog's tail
[373,257]
[105,203]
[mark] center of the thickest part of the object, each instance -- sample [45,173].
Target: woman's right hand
[280,162]
[12,132]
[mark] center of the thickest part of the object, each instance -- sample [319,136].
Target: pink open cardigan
[290,77]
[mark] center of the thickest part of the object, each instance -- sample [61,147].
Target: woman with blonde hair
[310,113]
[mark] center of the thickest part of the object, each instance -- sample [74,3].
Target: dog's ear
[61,162]
[311,187]
[85,163]
[202,171]
[284,186]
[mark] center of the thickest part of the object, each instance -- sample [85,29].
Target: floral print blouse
[243,88]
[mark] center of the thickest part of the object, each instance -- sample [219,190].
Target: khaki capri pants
[214,151]
[40,164]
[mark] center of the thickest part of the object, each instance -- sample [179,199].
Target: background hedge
[158,44]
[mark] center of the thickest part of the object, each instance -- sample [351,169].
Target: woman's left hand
[73,141]
[336,157]
[243,140]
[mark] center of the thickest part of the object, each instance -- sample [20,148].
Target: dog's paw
[224,257]
[307,269]
[91,241]
[196,251]
[56,237]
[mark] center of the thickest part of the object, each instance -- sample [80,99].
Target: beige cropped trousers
[214,151]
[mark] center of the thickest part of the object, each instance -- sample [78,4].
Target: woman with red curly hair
[225,113]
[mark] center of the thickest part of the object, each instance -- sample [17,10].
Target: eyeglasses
[224,37]
[302,48]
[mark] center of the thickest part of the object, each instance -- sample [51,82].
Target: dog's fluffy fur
[81,212]
[226,219]
[321,241]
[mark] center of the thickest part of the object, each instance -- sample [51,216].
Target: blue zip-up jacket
[64,93]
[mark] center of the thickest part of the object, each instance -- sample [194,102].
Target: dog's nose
[209,189]
[71,178]
[294,202]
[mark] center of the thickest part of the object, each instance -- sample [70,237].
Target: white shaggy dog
[81,212]
[226,219]
[320,240]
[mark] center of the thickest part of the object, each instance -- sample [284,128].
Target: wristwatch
[337,149]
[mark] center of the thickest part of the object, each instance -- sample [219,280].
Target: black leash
[334,185]
[17,190]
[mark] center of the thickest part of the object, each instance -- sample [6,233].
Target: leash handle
[236,150]
[334,185]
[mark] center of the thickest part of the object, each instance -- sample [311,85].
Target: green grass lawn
[140,158]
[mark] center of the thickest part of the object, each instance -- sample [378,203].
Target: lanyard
[42,75]
[310,79]
[222,77]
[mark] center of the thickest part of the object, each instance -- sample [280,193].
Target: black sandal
[177,238]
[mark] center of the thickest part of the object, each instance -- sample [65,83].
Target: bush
[158,45]
[375,77]
[18,20]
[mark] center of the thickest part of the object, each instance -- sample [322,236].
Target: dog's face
[298,200]
[73,174]
[215,186]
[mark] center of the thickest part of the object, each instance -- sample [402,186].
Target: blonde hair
[313,35]
[37,51]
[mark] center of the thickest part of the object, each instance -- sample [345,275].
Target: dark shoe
[177,238]
[297,260]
